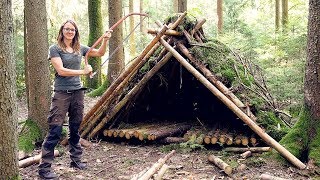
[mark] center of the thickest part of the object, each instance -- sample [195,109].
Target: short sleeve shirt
[69,61]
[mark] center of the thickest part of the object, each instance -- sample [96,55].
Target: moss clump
[270,122]
[297,138]
[29,135]
[222,62]
[314,141]
[314,148]
[99,91]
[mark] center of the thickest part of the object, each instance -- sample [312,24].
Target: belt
[70,91]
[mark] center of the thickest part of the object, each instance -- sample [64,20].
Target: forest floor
[111,160]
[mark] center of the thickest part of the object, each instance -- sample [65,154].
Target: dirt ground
[114,160]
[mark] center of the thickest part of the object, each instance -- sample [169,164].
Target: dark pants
[62,103]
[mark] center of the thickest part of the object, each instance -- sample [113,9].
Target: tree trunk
[220,15]
[305,135]
[131,27]
[277,15]
[285,14]
[95,31]
[182,6]
[8,108]
[37,62]
[142,25]
[312,83]
[116,63]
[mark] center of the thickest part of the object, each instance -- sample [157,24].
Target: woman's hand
[87,69]
[107,34]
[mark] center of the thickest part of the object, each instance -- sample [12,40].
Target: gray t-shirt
[70,61]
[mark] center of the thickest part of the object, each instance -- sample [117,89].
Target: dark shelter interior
[174,95]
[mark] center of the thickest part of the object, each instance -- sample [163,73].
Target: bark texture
[8,116]
[36,40]
[116,63]
[305,135]
[220,15]
[182,6]
[312,81]
[95,31]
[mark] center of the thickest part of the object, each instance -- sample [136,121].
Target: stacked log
[150,132]
[223,137]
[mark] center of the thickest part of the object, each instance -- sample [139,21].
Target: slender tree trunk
[175,5]
[220,15]
[285,16]
[182,6]
[38,65]
[142,25]
[95,31]
[277,15]
[131,27]
[116,63]
[8,108]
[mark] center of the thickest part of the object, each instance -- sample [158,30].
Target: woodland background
[247,25]
[272,34]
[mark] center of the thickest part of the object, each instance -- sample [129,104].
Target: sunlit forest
[193,80]
[249,27]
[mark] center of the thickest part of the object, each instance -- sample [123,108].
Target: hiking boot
[48,175]
[78,165]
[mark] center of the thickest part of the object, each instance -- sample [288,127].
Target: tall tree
[182,5]
[142,25]
[38,78]
[220,15]
[131,27]
[285,14]
[116,63]
[277,15]
[175,5]
[8,108]
[95,31]
[305,136]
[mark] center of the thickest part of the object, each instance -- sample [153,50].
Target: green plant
[99,91]
[29,135]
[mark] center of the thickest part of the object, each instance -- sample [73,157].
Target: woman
[66,56]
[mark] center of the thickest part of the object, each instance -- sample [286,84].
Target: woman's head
[69,31]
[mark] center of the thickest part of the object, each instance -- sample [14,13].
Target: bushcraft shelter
[184,87]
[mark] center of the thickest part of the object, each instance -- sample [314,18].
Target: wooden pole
[252,149]
[33,160]
[168,32]
[270,177]
[243,116]
[156,166]
[131,94]
[134,66]
[221,164]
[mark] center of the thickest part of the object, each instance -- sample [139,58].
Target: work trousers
[63,102]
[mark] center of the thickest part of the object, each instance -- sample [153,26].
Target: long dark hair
[75,41]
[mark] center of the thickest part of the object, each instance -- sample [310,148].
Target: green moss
[297,138]
[99,91]
[314,147]
[29,135]
[269,121]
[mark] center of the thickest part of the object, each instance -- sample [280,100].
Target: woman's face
[69,31]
